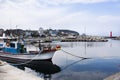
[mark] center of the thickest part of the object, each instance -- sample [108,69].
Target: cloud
[86,1]
[28,12]
[59,2]
[95,24]
[56,14]
[41,3]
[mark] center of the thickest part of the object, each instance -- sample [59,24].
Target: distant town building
[53,32]
[14,32]
[41,31]
[68,32]
[28,34]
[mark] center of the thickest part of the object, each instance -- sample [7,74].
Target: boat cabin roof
[13,44]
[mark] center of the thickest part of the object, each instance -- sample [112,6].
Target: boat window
[1,44]
[5,40]
[12,45]
[18,45]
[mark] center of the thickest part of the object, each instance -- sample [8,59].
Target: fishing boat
[15,52]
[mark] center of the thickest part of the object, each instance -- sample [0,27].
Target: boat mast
[85,39]
[39,46]
[40,31]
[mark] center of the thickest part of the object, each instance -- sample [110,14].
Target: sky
[93,17]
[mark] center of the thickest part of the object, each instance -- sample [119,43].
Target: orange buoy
[58,47]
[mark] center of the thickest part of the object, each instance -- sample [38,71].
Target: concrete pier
[8,72]
[113,77]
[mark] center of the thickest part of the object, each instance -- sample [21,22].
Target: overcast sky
[95,17]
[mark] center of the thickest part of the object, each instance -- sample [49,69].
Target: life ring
[7,44]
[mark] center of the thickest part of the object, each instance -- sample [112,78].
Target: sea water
[102,59]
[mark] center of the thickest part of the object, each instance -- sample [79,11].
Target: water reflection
[89,69]
[82,44]
[47,68]
[104,60]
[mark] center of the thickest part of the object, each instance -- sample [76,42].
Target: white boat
[16,53]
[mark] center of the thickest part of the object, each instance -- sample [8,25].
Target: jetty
[84,39]
[8,72]
[67,39]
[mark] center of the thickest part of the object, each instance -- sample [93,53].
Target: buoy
[58,47]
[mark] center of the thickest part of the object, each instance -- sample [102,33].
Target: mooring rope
[72,64]
[26,61]
[74,55]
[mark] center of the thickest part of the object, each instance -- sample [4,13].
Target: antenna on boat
[40,31]
[17,33]
[49,37]
[39,45]
[10,23]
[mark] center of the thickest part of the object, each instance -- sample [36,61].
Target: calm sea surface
[102,60]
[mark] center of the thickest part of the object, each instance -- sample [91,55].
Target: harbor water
[81,61]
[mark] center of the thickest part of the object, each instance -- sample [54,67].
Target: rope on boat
[26,61]
[72,64]
[74,55]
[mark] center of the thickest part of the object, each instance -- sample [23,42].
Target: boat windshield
[12,45]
